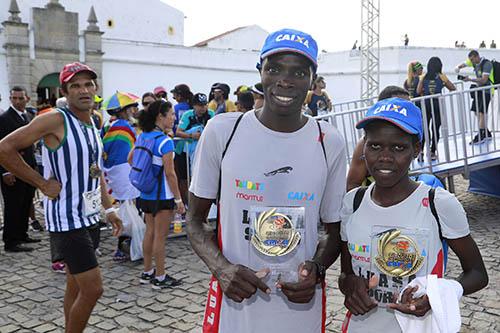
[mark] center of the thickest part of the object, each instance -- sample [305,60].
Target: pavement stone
[31,295]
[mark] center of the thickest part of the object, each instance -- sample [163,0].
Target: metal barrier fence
[451,121]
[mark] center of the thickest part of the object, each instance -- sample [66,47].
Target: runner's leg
[162,226]
[147,243]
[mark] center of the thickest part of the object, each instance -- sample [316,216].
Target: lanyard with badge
[91,199]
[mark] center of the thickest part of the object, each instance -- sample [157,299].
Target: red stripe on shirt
[214,299]
[323,307]
[439,266]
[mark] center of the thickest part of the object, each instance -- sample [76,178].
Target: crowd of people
[254,154]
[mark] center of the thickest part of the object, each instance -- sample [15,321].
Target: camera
[461,77]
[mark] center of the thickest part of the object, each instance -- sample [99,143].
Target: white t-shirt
[267,168]
[414,212]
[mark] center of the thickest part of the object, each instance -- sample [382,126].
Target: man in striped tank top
[73,186]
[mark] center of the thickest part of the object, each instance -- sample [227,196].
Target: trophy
[277,242]
[397,256]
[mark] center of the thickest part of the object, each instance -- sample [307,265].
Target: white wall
[148,23]
[141,68]
[246,38]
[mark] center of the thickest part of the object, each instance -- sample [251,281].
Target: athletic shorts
[482,103]
[154,206]
[76,248]
[180,163]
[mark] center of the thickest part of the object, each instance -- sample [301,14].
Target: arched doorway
[48,89]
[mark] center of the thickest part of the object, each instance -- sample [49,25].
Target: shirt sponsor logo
[425,202]
[249,197]
[286,169]
[301,196]
[293,38]
[249,185]
[359,252]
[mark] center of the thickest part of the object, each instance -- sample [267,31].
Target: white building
[135,51]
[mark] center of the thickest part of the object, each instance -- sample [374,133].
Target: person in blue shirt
[184,97]
[159,205]
[198,116]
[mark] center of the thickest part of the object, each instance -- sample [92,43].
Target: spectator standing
[190,128]
[483,68]
[118,140]
[17,194]
[415,69]
[433,83]
[482,45]
[160,93]
[245,101]
[184,98]
[493,45]
[317,99]
[406,40]
[164,200]
[220,102]
[73,185]
[147,99]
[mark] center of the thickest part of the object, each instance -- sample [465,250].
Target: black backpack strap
[432,195]
[358,197]
[322,143]
[224,154]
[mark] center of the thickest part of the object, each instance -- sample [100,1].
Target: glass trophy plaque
[397,256]
[277,242]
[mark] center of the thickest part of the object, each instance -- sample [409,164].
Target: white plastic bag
[136,228]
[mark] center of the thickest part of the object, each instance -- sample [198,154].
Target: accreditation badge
[277,241]
[397,255]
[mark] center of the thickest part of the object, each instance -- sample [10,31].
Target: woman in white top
[393,134]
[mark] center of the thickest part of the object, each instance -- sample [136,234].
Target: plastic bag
[130,217]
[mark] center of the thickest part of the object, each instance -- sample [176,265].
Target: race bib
[92,202]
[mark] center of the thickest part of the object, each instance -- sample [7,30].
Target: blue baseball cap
[290,40]
[400,112]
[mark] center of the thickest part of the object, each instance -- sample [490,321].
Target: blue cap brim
[403,126]
[289,49]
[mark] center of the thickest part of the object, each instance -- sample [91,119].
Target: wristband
[320,271]
[110,210]
[178,201]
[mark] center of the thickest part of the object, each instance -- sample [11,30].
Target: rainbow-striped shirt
[118,140]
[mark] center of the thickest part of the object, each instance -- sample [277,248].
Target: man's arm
[237,281]
[45,125]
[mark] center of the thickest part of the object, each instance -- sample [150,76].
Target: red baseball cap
[158,90]
[72,69]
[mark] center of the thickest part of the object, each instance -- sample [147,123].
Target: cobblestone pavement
[31,295]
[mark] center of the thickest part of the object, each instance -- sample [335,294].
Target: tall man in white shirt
[258,160]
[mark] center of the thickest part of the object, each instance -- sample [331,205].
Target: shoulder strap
[432,194]
[358,197]
[224,153]
[322,143]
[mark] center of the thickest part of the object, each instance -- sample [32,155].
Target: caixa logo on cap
[391,107]
[293,38]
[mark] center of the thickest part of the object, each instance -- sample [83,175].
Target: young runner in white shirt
[393,131]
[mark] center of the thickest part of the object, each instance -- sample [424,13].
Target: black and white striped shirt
[69,164]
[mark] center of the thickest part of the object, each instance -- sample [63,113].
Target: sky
[336,24]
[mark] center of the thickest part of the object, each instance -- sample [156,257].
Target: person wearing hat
[393,135]
[73,185]
[220,102]
[190,127]
[415,69]
[263,158]
[118,140]
[258,95]
[184,97]
[160,93]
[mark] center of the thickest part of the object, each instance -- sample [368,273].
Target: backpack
[424,177]
[495,78]
[145,170]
